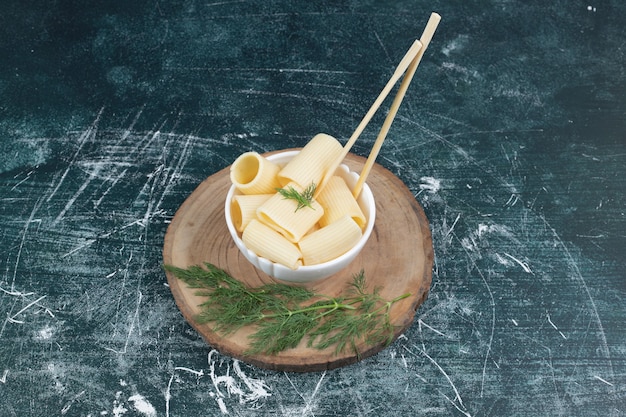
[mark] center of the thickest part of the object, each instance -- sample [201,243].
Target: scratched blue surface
[512,137]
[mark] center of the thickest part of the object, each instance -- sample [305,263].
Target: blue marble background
[512,137]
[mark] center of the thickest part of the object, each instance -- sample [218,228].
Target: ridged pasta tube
[243,208]
[251,173]
[330,242]
[312,162]
[271,245]
[284,216]
[337,200]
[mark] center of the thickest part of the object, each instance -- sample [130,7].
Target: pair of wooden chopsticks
[406,67]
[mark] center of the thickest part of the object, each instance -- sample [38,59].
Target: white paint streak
[22,181]
[420,323]
[31,218]
[309,403]
[113,184]
[119,410]
[493,228]
[142,405]
[90,242]
[453,224]
[457,401]
[502,260]
[493,321]
[77,194]
[404,362]
[583,283]
[554,326]
[512,200]
[12,318]
[45,333]
[461,69]
[256,388]
[191,371]
[430,184]
[78,248]
[168,396]
[222,405]
[67,406]
[168,391]
[130,128]
[603,380]
[16,293]
[455,44]
[86,134]
[131,327]
[524,265]
[178,168]
[118,406]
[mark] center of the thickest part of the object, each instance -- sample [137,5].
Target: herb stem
[388,304]
[333,306]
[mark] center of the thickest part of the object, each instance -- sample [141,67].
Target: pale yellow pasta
[315,227]
[252,173]
[284,216]
[337,200]
[330,242]
[311,163]
[271,245]
[243,208]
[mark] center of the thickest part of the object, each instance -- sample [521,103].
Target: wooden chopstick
[427,36]
[408,58]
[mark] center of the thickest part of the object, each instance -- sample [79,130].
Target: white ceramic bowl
[311,272]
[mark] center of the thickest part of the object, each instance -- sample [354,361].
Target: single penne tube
[283,214]
[243,208]
[337,200]
[310,164]
[251,173]
[330,241]
[271,245]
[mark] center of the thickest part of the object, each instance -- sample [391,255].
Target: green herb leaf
[304,198]
[284,315]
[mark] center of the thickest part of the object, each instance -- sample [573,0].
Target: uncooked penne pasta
[337,200]
[252,173]
[271,245]
[243,208]
[330,242]
[284,216]
[310,164]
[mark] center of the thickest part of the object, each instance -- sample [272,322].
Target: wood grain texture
[398,259]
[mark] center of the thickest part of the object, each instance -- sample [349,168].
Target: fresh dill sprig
[304,198]
[284,315]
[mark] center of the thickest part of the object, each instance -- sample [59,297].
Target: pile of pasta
[274,227]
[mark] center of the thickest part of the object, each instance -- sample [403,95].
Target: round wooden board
[397,258]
